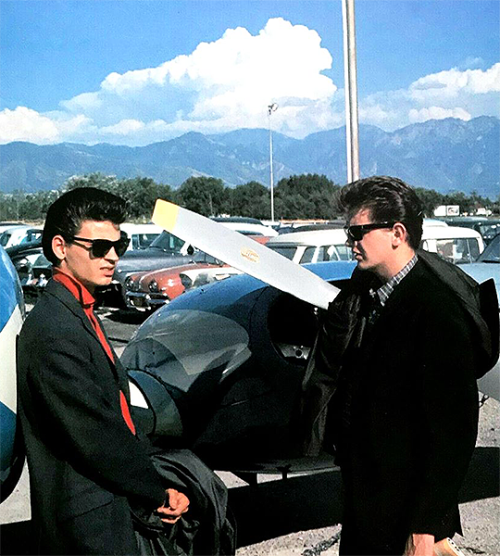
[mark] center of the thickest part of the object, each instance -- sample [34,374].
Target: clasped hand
[174,507]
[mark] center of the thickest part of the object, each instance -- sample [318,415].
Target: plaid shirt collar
[386,290]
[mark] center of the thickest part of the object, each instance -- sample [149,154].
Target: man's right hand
[175,506]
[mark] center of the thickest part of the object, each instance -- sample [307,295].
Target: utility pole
[270,109]
[351,91]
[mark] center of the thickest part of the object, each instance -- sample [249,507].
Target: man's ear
[400,233]
[59,247]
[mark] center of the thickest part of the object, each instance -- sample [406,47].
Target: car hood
[148,260]
[482,272]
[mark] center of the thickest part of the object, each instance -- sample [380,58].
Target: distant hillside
[445,155]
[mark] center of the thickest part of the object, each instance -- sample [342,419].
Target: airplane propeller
[244,253]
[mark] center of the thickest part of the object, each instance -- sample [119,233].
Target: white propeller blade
[244,253]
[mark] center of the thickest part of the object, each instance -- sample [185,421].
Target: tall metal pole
[351,91]
[270,109]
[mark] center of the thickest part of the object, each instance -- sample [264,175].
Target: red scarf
[87,301]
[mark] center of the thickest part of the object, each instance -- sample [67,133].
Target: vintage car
[165,251]
[455,244]
[312,246]
[151,290]
[141,235]
[20,235]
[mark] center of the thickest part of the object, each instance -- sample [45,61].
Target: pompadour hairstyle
[66,214]
[389,200]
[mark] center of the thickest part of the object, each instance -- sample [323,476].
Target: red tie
[87,301]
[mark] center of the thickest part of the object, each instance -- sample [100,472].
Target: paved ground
[300,515]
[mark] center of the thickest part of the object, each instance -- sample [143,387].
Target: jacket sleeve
[448,412]
[78,405]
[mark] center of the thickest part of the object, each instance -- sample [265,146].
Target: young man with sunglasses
[402,353]
[87,464]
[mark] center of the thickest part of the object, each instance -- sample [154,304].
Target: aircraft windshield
[492,253]
[182,344]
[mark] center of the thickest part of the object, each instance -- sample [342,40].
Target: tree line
[306,196]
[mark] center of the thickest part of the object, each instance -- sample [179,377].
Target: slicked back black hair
[389,200]
[66,215]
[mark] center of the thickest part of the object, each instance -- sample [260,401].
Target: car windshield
[492,253]
[167,242]
[489,229]
[142,241]
[202,257]
[287,251]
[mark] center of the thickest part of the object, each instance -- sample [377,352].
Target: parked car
[151,290]
[5,225]
[312,246]
[487,227]
[165,251]
[488,266]
[141,235]
[20,234]
[457,245]
[247,226]
[489,230]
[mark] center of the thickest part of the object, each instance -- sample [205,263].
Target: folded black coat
[207,528]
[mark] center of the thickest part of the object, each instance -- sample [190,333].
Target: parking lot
[301,515]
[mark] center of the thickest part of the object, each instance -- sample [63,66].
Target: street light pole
[270,109]
[351,92]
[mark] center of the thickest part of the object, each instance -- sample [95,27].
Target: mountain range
[445,155]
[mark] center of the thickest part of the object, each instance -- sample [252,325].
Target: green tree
[101,181]
[431,200]
[34,206]
[306,196]
[204,195]
[9,207]
[140,193]
[250,199]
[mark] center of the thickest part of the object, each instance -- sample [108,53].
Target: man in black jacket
[87,464]
[405,411]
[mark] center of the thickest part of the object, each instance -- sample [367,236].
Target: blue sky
[138,71]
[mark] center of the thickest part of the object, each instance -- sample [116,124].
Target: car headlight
[186,281]
[153,286]
[129,283]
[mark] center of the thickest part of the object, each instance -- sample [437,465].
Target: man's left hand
[177,504]
[419,545]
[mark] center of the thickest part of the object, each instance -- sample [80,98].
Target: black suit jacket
[85,465]
[406,440]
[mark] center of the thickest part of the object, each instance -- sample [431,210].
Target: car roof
[313,237]
[448,232]
[131,228]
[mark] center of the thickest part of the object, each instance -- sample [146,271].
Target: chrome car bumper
[141,300]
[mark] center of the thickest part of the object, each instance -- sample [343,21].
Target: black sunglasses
[356,233]
[101,247]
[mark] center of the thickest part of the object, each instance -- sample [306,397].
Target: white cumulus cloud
[228,83]
[438,113]
[452,93]
[220,86]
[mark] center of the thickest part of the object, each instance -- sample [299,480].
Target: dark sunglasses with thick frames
[101,247]
[356,233]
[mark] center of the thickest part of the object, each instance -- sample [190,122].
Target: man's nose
[112,255]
